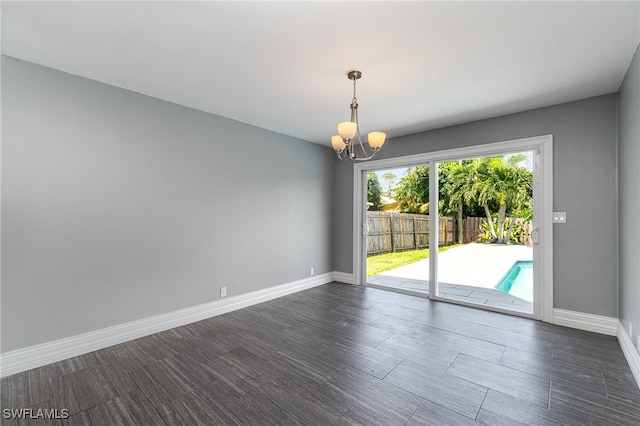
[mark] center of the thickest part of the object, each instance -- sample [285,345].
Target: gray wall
[629,197]
[585,174]
[117,206]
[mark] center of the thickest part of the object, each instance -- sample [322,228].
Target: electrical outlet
[559,217]
[223,292]
[311,272]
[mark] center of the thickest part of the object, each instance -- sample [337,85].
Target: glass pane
[398,229]
[485,213]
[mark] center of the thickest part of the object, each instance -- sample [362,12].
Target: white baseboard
[629,351]
[343,277]
[588,322]
[604,325]
[46,353]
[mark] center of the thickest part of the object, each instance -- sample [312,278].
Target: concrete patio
[468,273]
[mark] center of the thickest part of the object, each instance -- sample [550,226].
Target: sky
[400,173]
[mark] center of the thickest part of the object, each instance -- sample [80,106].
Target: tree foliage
[412,191]
[374,192]
[488,186]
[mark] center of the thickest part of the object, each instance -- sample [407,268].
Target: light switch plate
[559,217]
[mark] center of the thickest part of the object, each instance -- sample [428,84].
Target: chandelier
[344,143]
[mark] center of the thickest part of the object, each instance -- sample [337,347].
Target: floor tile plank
[512,382]
[430,413]
[601,408]
[476,348]
[498,405]
[373,400]
[461,396]
[555,369]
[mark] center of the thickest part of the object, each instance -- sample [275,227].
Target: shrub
[516,233]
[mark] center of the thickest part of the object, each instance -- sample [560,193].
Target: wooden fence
[392,232]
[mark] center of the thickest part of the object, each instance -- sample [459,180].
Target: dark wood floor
[341,354]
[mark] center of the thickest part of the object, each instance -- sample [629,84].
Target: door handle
[365,229]
[535,235]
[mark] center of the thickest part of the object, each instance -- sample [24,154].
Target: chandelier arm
[362,148]
[364,158]
[364,152]
[346,155]
[353,158]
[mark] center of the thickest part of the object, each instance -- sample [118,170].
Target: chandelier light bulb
[376,140]
[347,130]
[337,143]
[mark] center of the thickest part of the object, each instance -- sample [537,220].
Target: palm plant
[468,186]
[493,180]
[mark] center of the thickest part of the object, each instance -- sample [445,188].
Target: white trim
[46,353]
[484,307]
[343,277]
[434,228]
[544,206]
[359,200]
[589,322]
[405,291]
[505,147]
[630,353]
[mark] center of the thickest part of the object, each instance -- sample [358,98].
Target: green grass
[385,262]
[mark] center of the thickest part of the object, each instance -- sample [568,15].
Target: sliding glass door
[470,226]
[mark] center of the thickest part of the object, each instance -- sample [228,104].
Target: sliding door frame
[542,146]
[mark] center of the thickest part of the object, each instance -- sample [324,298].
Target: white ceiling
[282,65]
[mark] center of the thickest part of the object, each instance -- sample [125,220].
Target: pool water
[518,281]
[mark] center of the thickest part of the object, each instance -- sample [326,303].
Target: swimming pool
[518,281]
